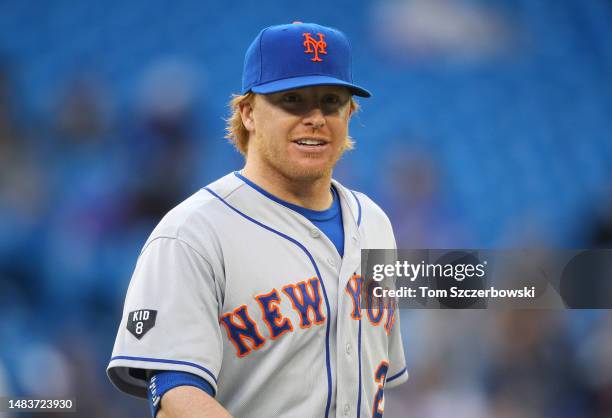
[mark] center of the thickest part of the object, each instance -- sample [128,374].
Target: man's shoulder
[374,224]
[196,214]
[366,208]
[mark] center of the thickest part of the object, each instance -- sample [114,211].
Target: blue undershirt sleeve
[162,381]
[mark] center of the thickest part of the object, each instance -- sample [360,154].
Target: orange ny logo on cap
[315,47]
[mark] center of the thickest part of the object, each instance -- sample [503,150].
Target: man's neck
[310,194]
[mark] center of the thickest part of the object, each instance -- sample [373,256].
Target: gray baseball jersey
[239,289]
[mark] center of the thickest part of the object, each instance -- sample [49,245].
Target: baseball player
[245,299]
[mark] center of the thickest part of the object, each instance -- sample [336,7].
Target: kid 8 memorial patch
[141,321]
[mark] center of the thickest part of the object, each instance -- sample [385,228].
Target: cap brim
[307,81]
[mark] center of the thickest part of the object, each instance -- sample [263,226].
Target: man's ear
[352,108]
[246,113]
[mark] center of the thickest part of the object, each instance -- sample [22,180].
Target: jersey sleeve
[170,318]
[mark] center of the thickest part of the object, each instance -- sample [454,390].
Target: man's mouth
[311,142]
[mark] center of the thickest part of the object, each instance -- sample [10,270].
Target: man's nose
[315,118]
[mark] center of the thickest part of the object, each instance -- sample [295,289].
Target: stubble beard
[276,158]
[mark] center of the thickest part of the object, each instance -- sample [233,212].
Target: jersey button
[331,262]
[315,233]
[347,409]
[348,349]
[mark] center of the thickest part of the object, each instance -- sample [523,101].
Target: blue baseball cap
[297,55]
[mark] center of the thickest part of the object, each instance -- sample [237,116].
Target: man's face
[299,134]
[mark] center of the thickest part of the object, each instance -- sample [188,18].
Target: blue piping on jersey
[358,208]
[359,335]
[319,215]
[301,246]
[395,376]
[168,361]
[359,359]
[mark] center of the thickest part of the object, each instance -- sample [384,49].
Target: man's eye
[291,98]
[331,99]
